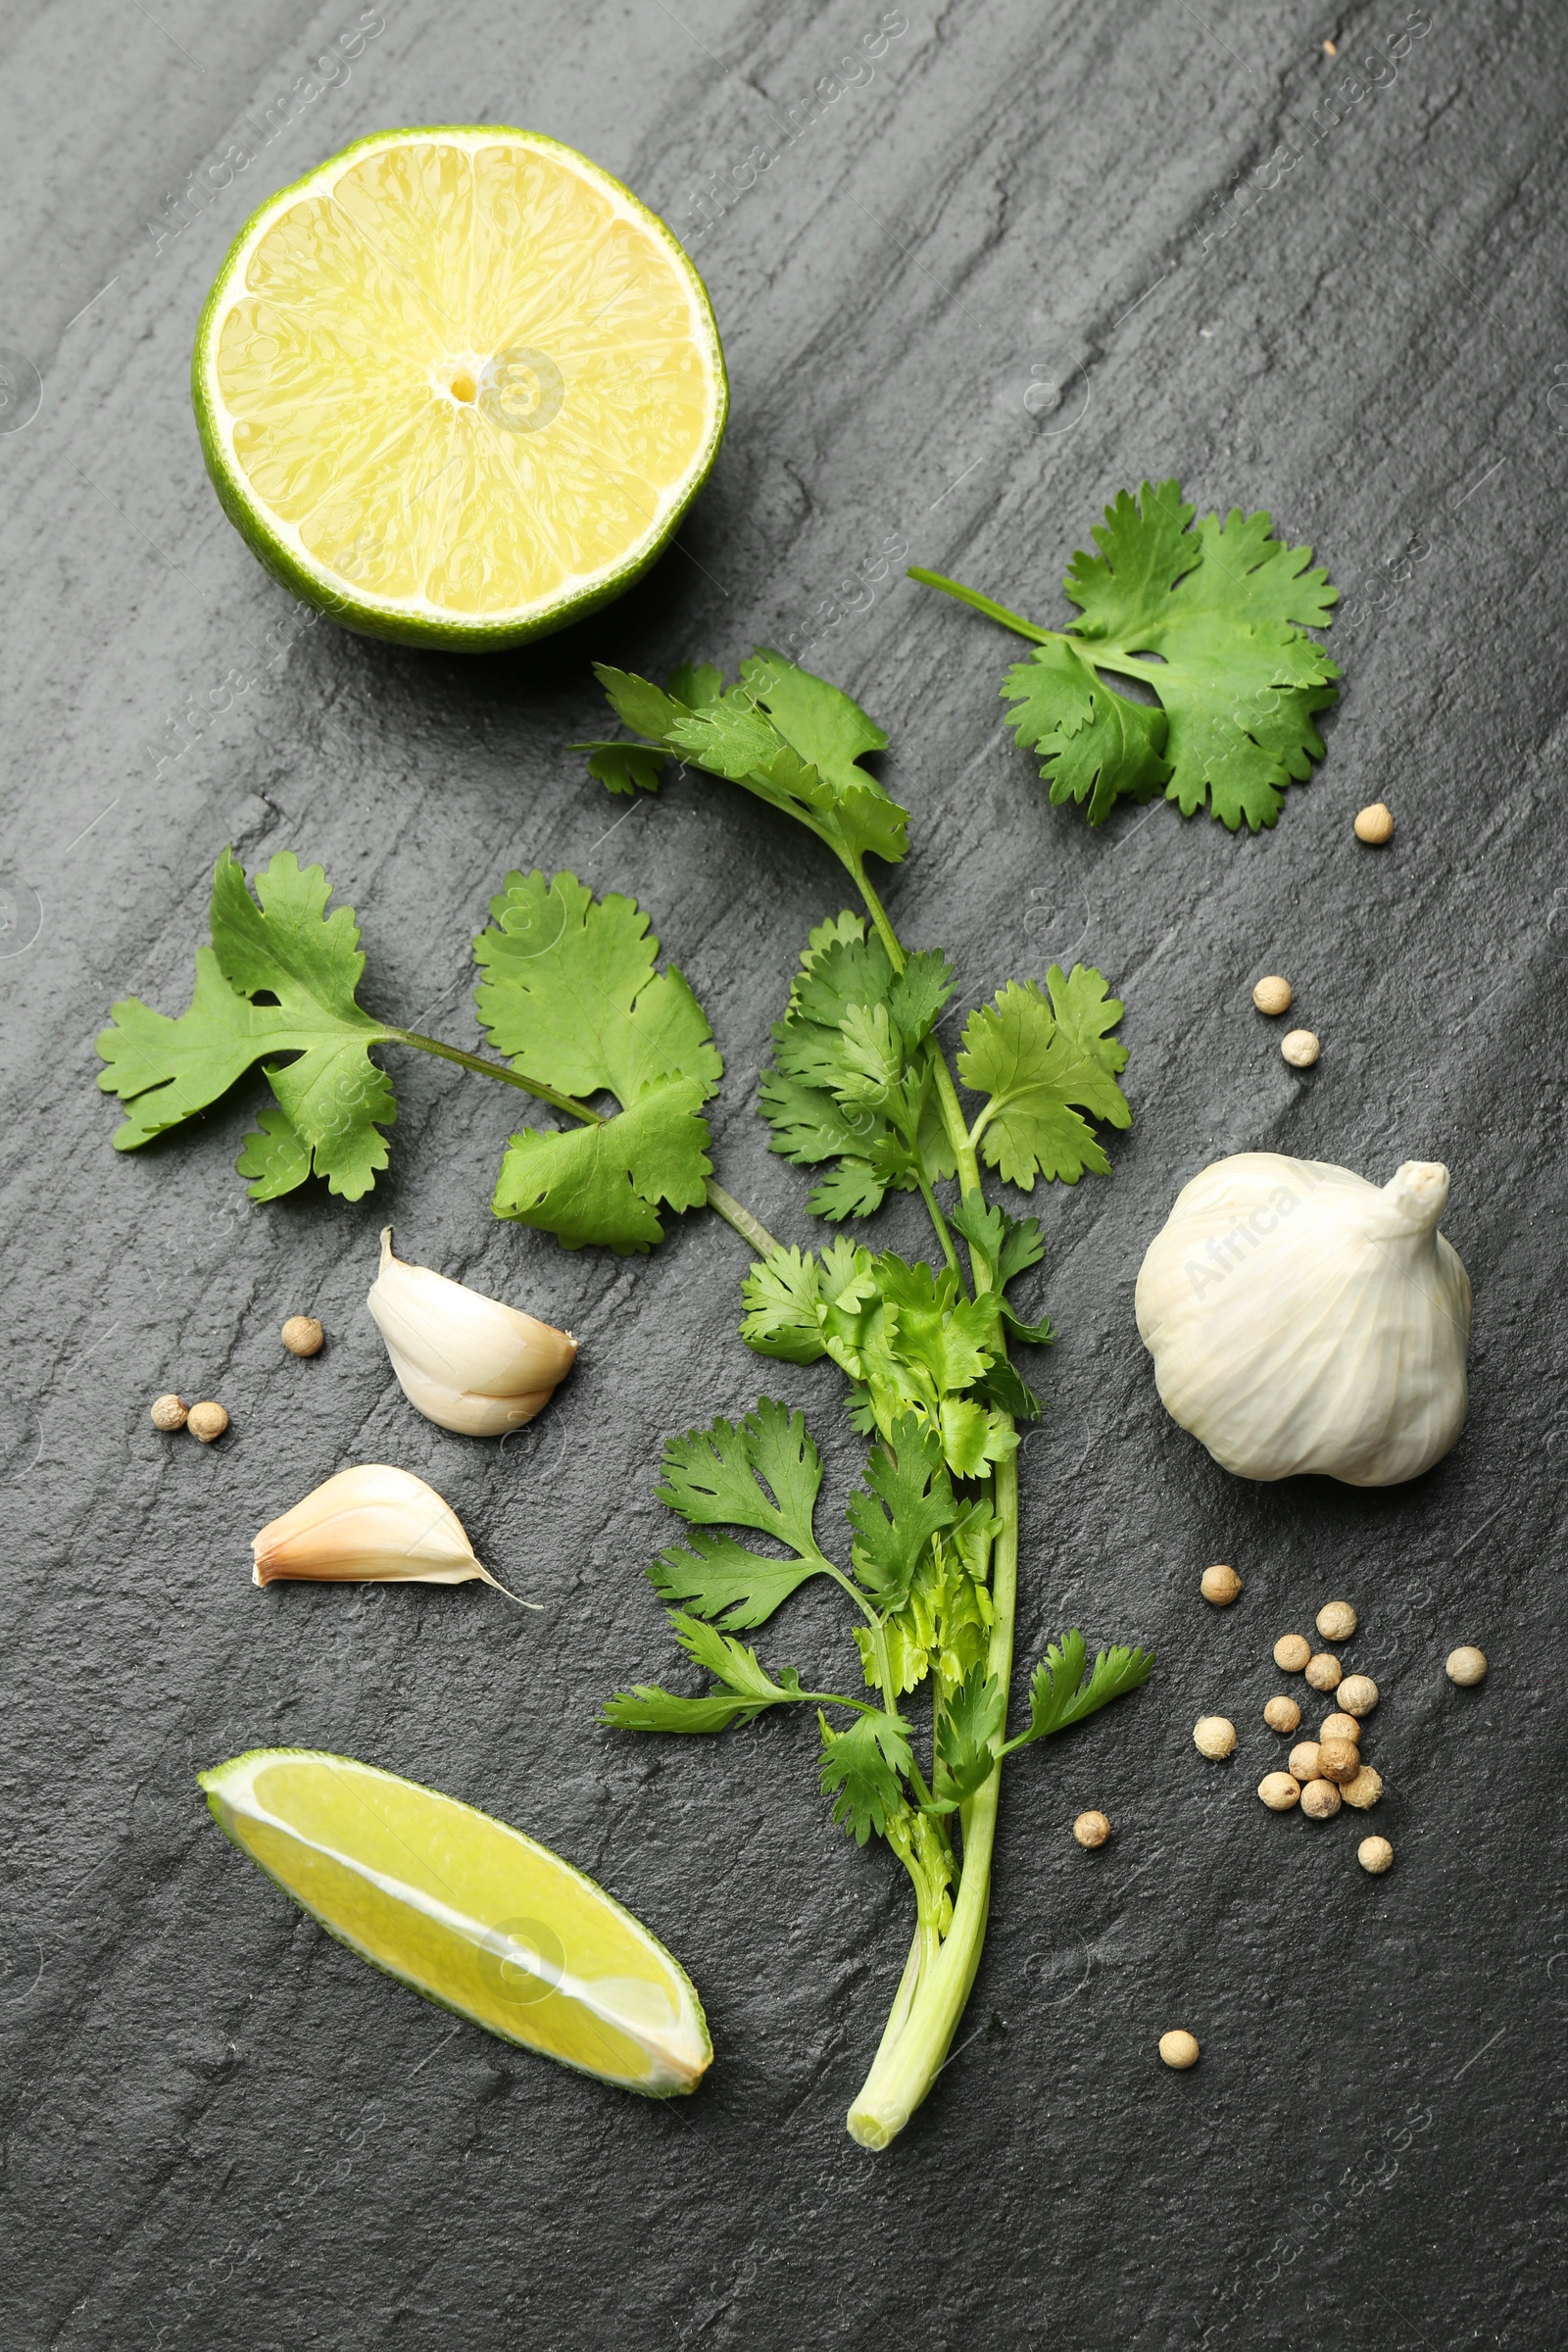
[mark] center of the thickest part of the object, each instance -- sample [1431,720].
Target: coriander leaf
[278,978]
[850,1082]
[1059,1696]
[786,735]
[571,998]
[715,1577]
[973,1715]
[908,1499]
[601,1184]
[864,1765]
[276,1159]
[1224,608]
[733,1664]
[1004,1386]
[746,1691]
[645,1707]
[1009,1247]
[783,1309]
[1041,1062]
[971,1437]
[1095,745]
[713,1477]
[624,767]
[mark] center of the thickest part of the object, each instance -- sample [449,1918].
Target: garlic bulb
[1301,1320]
[370,1524]
[466,1362]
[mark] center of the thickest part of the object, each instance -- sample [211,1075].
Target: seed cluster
[302,1334]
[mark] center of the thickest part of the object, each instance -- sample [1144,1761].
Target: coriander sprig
[861,1092]
[1214,623]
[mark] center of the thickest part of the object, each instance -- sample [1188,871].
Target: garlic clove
[1302,1319]
[372,1524]
[466,1362]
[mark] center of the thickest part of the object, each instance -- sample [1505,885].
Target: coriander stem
[878,914]
[750,1229]
[937,1220]
[496,1069]
[1104,656]
[984,603]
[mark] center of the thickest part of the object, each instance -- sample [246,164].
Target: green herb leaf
[570,997]
[1042,1063]
[1214,621]
[849,1081]
[968,1723]
[1095,745]
[783,733]
[713,1477]
[864,1765]
[747,1689]
[278,979]
[717,1578]
[783,1309]
[908,1499]
[624,767]
[1058,1695]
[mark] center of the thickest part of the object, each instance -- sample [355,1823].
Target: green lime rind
[227,1782]
[313,584]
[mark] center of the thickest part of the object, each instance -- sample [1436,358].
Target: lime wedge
[458,387]
[468,1912]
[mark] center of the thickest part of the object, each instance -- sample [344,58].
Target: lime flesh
[456,386]
[470,1913]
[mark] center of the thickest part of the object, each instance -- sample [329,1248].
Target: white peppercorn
[1091,1829]
[302,1334]
[1465,1666]
[1220,1584]
[1272,994]
[1303,1760]
[206,1422]
[1337,1621]
[169,1412]
[1320,1800]
[1214,1735]
[1324,1671]
[1291,1653]
[1357,1695]
[1339,1727]
[1282,1714]
[1179,2050]
[1301,1048]
[1364,1790]
[1374,1854]
[1279,1791]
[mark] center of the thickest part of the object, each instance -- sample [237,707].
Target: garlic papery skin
[1301,1319]
[466,1362]
[372,1524]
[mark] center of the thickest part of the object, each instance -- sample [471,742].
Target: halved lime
[458,387]
[468,1912]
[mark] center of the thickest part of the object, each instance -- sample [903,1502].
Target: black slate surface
[973,299]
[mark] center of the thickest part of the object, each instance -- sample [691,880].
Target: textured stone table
[964,303]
